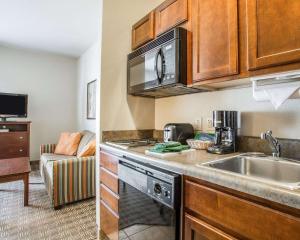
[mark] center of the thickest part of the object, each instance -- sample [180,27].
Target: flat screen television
[13,106]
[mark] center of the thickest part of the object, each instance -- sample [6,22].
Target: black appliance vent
[157,42]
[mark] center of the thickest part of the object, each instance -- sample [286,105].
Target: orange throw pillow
[89,149]
[68,144]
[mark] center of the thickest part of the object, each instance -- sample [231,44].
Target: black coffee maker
[226,125]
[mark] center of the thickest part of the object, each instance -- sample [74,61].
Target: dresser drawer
[13,151]
[14,138]
[109,222]
[245,218]
[109,179]
[14,144]
[110,198]
[109,162]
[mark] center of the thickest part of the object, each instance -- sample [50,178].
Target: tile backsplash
[290,147]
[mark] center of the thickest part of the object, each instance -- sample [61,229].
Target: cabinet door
[109,179]
[109,162]
[215,38]
[245,218]
[169,14]
[143,31]
[196,229]
[109,222]
[273,32]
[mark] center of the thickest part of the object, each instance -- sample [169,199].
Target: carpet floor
[39,220]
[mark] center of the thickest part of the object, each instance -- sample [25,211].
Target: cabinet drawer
[109,222]
[170,14]
[109,180]
[109,162]
[245,218]
[143,31]
[111,199]
[196,229]
[14,144]
[13,138]
[14,151]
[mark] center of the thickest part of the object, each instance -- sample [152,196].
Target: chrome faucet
[273,142]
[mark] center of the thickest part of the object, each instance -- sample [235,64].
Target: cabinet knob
[21,137]
[21,150]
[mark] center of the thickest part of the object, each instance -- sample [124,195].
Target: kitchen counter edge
[243,184]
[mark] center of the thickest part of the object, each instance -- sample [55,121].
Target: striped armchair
[68,178]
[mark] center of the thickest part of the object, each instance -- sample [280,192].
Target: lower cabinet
[109,198]
[213,212]
[196,229]
[109,222]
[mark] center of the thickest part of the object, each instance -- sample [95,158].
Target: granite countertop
[190,164]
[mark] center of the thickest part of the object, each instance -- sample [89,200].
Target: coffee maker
[226,125]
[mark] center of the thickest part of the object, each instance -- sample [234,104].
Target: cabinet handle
[21,150]
[21,137]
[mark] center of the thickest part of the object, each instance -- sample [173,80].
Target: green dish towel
[169,147]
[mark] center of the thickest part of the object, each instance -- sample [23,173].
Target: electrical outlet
[198,124]
[210,124]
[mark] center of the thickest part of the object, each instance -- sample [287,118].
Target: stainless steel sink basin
[273,170]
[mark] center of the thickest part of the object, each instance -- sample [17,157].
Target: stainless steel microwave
[159,68]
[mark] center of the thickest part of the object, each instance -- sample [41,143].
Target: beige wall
[255,116]
[88,70]
[50,82]
[119,111]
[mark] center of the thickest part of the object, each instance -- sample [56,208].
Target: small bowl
[199,144]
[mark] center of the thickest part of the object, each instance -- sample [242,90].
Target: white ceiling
[67,27]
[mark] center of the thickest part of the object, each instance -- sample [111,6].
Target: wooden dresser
[16,142]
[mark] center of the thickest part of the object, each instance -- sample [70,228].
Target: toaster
[178,132]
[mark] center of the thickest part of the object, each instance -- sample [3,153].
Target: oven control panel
[160,190]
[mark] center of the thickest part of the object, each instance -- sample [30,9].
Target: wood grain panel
[111,199]
[110,162]
[109,179]
[109,222]
[196,229]
[273,32]
[215,38]
[245,218]
[14,144]
[170,14]
[143,31]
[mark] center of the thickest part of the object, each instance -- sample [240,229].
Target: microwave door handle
[163,66]
[156,69]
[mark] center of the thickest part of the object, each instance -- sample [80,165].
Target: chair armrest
[73,179]
[47,148]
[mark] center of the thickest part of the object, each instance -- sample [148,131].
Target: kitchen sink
[278,171]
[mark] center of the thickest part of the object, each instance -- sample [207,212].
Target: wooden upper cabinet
[273,32]
[215,38]
[170,14]
[143,31]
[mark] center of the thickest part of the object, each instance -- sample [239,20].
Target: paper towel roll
[276,93]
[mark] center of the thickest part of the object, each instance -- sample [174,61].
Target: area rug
[39,220]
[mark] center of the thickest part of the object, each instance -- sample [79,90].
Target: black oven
[149,204]
[159,68]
